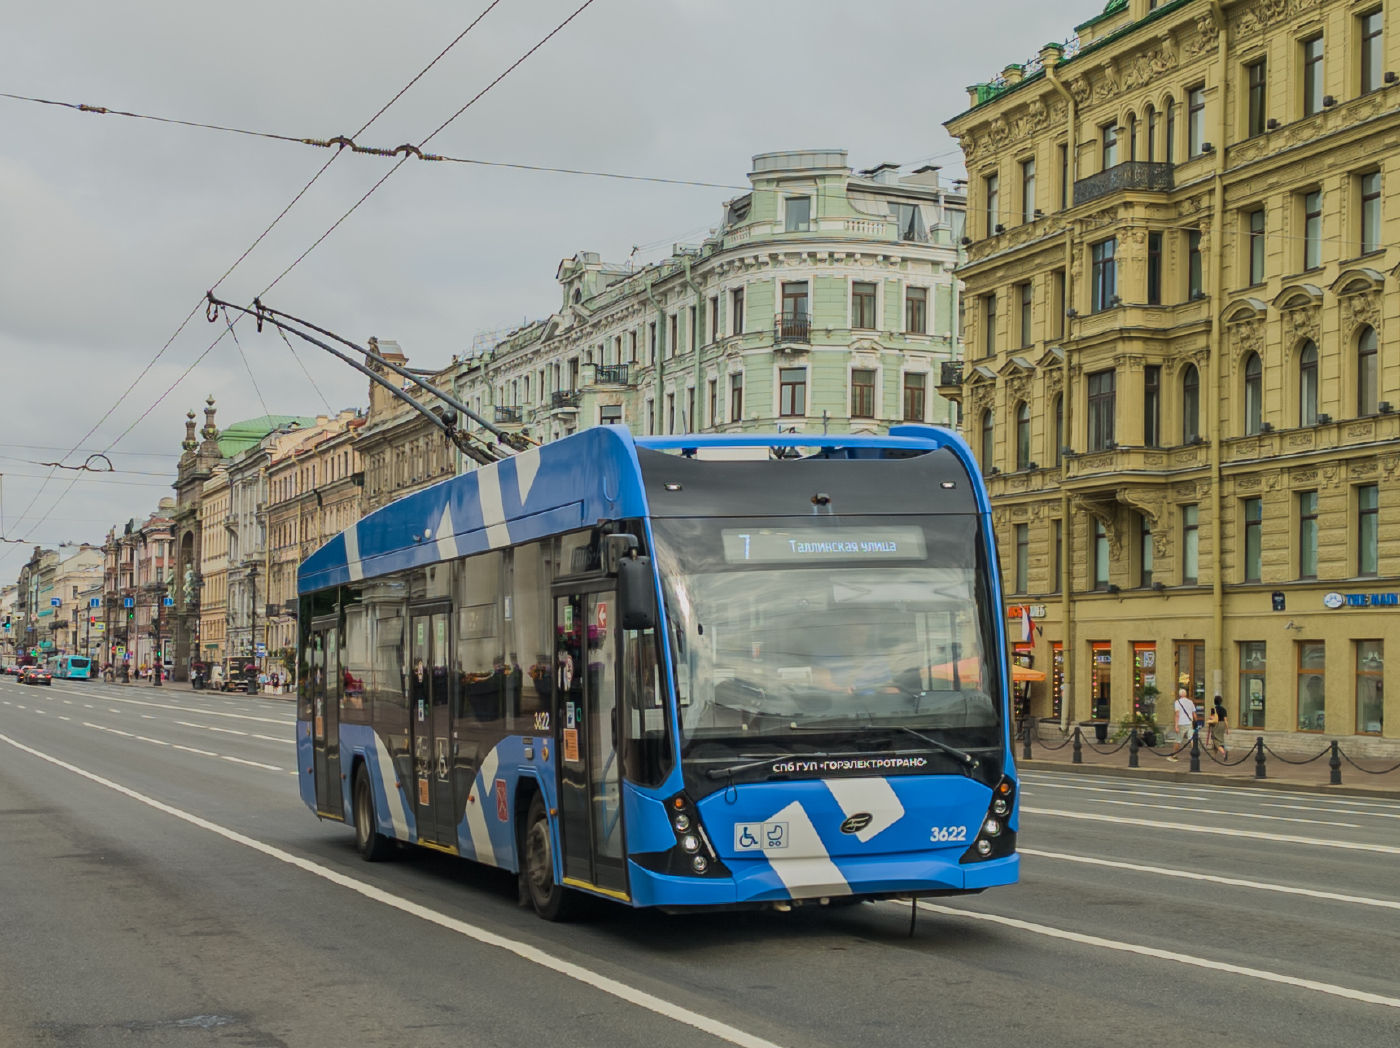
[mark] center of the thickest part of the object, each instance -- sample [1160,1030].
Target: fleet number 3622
[948,833]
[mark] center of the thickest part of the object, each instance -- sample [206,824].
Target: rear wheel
[373,845]
[551,900]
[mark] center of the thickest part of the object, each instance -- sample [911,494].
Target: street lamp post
[253,621]
[159,647]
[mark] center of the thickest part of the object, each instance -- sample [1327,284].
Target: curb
[1210,779]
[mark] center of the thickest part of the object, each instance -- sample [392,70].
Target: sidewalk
[170,685]
[1314,777]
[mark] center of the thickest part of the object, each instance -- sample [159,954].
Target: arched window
[1059,429]
[1169,142]
[1151,120]
[1023,435]
[1253,394]
[1367,371]
[1132,136]
[1190,404]
[1307,385]
[988,436]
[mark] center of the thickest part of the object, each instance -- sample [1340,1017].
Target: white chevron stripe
[352,553]
[447,535]
[483,790]
[493,513]
[527,464]
[398,821]
[810,873]
[874,797]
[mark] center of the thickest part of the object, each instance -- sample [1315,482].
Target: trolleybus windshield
[801,635]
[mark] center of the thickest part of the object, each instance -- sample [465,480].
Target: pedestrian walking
[1185,718]
[1216,724]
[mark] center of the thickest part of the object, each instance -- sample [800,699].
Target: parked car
[12,670]
[36,675]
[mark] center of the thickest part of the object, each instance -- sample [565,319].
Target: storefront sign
[1336,600]
[1014,611]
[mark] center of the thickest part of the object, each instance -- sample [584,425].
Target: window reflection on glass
[1312,686]
[1370,695]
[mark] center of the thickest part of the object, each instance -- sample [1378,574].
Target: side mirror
[636,593]
[615,549]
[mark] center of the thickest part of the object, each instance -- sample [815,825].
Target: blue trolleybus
[72,667]
[682,672]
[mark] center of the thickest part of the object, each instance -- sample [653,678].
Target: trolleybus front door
[325,717]
[590,773]
[430,729]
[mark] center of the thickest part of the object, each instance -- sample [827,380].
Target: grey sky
[112,229]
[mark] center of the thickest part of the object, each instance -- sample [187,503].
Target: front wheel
[373,845]
[551,900]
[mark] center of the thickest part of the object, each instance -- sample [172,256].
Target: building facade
[139,568]
[213,567]
[314,486]
[824,300]
[200,455]
[1177,380]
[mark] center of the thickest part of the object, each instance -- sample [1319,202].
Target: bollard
[1259,757]
[1133,749]
[1026,743]
[1335,763]
[1195,750]
[1078,757]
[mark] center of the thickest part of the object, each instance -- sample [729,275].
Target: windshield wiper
[967,760]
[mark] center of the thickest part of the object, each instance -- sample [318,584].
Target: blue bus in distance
[72,667]
[684,672]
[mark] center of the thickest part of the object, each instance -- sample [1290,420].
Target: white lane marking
[147,716]
[67,702]
[533,954]
[114,731]
[1232,791]
[62,717]
[206,727]
[1334,811]
[156,741]
[1168,955]
[255,764]
[209,713]
[1236,882]
[874,797]
[191,749]
[1221,831]
[114,711]
[1218,811]
[274,738]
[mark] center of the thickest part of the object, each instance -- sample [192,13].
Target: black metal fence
[792,327]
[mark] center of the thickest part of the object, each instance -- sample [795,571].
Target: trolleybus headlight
[984,847]
[682,822]
[690,843]
[1000,807]
[700,863]
[991,828]
[996,839]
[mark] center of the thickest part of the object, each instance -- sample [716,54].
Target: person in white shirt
[1185,717]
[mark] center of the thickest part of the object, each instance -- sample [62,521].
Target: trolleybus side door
[587,742]
[429,725]
[325,714]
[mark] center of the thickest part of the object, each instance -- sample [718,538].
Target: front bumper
[755,882]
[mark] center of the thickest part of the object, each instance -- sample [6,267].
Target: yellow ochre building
[1183,361]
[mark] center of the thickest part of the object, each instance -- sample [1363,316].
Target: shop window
[1370,696]
[1101,679]
[1252,664]
[1312,686]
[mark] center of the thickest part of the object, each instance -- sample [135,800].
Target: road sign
[169,602]
[56,601]
[100,627]
[129,602]
[95,602]
[262,651]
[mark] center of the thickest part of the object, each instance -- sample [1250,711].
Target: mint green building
[824,301]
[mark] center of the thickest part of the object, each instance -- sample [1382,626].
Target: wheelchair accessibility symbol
[760,836]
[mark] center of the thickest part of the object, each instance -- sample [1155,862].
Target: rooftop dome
[243,435]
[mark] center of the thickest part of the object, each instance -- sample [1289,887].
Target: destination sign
[798,545]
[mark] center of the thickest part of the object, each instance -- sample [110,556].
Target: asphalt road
[162,884]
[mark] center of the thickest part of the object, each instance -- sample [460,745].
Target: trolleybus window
[795,633]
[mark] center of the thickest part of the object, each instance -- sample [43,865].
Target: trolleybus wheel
[552,901]
[373,845]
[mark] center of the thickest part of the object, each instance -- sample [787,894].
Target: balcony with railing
[792,327]
[566,399]
[508,415]
[1135,175]
[610,375]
